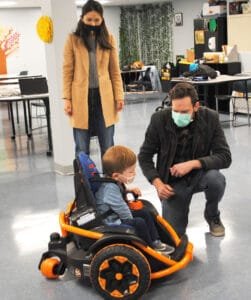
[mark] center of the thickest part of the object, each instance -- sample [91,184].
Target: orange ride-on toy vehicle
[118,263]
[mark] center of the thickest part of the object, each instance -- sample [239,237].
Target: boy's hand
[136,191]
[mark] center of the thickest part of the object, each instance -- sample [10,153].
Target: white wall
[183,37]
[31,54]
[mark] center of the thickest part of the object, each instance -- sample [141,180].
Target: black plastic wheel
[55,236]
[120,271]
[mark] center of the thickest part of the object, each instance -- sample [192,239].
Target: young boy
[119,163]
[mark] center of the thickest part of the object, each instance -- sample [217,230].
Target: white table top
[16,76]
[217,80]
[24,97]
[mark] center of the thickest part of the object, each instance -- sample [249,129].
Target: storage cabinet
[238,31]
[206,30]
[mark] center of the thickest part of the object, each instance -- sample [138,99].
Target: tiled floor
[31,195]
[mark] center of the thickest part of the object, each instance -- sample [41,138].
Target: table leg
[25,120]
[246,89]
[12,122]
[47,107]
[17,112]
[29,117]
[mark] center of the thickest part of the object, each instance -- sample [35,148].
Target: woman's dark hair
[184,89]
[102,37]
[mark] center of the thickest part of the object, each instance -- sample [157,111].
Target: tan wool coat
[76,81]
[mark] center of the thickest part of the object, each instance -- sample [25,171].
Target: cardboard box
[213,10]
[190,55]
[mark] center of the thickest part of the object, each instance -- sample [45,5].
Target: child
[119,163]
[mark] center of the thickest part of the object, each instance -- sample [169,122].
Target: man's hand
[120,105]
[67,107]
[164,190]
[181,169]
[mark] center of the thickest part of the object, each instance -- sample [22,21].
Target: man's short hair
[117,159]
[184,89]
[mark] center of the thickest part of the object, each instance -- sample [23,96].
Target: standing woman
[92,85]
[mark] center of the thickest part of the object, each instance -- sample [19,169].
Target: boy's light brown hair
[117,159]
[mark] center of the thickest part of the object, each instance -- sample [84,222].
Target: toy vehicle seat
[85,214]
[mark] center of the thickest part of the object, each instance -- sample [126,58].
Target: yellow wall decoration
[45,29]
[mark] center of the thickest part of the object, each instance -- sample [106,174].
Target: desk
[16,76]
[226,68]
[28,98]
[213,82]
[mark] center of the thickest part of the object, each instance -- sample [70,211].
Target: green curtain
[146,34]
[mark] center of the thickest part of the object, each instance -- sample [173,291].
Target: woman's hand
[67,107]
[120,105]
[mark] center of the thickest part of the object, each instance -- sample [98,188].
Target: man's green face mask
[181,119]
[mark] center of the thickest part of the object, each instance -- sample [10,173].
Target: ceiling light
[7,3]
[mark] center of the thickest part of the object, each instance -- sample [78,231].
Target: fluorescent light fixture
[7,3]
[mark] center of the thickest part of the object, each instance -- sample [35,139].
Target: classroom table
[26,99]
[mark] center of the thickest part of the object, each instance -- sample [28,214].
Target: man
[191,148]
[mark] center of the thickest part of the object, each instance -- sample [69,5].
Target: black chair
[143,83]
[30,86]
[23,73]
[239,95]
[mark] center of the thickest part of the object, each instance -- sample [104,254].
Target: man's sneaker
[215,225]
[161,247]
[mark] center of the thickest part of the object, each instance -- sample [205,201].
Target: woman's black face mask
[88,28]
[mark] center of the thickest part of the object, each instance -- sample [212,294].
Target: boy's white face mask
[128,175]
[127,179]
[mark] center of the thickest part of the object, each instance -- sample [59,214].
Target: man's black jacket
[209,144]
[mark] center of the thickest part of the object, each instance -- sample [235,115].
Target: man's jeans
[176,209]
[96,127]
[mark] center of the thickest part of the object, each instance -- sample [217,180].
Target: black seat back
[33,85]
[23,73]
[240,86]
[147,76]
[83,194]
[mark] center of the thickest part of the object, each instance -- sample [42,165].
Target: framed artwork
[178,19]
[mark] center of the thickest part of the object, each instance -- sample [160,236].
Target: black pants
[144,225]
[176,208]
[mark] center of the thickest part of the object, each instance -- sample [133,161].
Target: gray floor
[31,195]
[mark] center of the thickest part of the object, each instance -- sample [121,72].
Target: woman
[92,85]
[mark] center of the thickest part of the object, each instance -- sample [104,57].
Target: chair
[241,99]
[34,85]
[238,97]
[145,82]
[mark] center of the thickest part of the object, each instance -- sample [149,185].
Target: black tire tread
[135,256]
